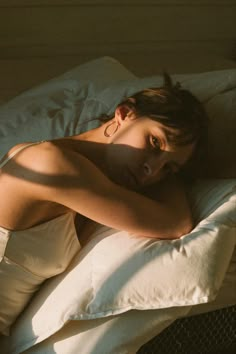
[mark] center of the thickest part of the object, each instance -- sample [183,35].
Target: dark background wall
[43,38]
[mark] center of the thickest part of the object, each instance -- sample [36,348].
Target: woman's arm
[67,178]
[170,191]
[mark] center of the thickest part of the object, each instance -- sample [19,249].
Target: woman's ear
[123,112]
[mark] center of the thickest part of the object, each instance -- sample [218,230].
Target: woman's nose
[152,167]
[148,170]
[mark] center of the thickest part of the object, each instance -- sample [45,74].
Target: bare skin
[46,180]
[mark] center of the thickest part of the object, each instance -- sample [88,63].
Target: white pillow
[204,85]
[117,272]
[222,141]
[60,106]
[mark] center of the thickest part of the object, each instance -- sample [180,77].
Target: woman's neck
[91,144]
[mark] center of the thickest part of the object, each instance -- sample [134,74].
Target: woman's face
[139,153]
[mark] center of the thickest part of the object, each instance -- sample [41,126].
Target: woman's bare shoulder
[33,155]
[34,162]
[53,164]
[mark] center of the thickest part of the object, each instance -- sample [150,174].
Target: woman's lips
[132,179]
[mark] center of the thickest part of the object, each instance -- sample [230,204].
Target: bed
[115,302]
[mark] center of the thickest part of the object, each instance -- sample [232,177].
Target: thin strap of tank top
[18,150]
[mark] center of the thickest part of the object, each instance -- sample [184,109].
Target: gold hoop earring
[106,133]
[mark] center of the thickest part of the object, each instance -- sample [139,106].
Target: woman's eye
[156,142]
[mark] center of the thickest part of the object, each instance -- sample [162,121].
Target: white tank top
[28,257]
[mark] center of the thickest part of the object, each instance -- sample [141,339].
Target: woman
[151,138]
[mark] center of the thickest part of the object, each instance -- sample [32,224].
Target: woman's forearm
[168,217]
[170,192]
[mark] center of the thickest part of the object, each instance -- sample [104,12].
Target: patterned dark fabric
[209,333]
